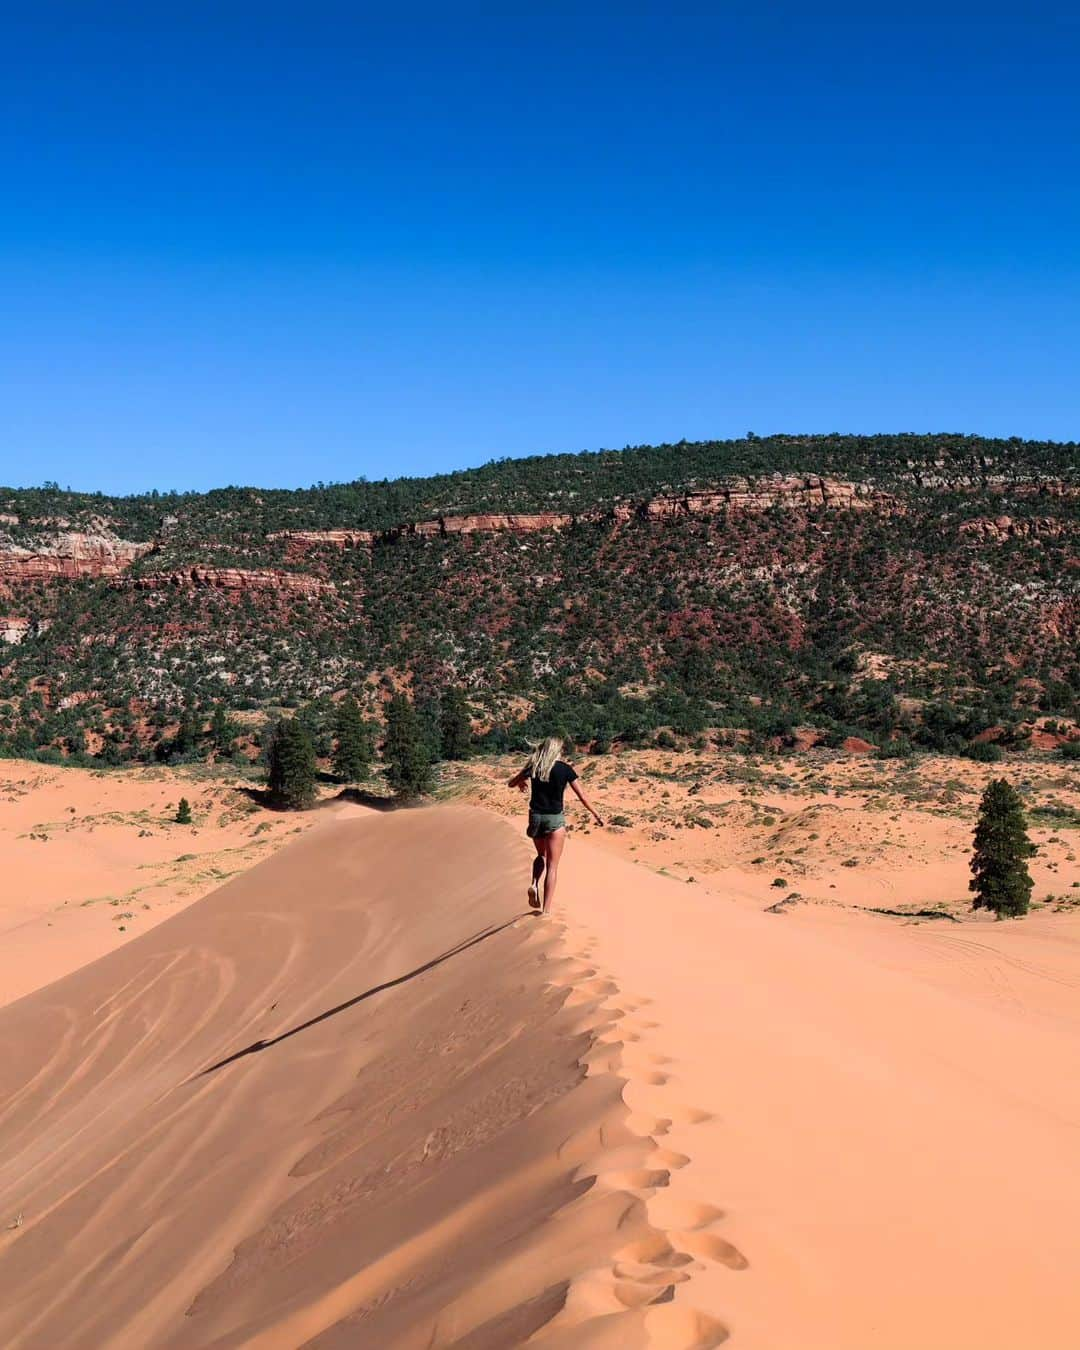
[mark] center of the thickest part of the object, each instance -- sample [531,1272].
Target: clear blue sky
[280,243]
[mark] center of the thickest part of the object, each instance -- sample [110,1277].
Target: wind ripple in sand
[339,1102]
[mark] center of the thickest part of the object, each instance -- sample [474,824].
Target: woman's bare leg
[537,873]
[553,847]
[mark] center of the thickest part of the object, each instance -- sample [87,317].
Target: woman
[548,776]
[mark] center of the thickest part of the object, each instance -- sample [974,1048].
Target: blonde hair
[543,757]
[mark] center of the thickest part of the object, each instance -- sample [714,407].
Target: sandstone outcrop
[229,579]
[68,555]
[299,541]
[13,630]
[1004,527]
[793,493]
[493,524]
[805,493]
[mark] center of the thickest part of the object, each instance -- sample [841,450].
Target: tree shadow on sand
[371,800]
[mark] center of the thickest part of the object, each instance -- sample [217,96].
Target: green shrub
[984,752]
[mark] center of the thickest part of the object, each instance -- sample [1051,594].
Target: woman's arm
[585,803]
[520,780]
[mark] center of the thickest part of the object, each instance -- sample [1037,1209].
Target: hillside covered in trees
[904,589]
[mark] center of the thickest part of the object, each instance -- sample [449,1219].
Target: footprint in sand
[671,1212]
[631,1270]
[684,1327]
[598,988]
[669,1158]
[654,1250]
[636,1179]
[640,1123]
[688,1115]
[712,1248]
[685,1222]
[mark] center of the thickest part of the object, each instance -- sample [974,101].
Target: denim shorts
[542,823]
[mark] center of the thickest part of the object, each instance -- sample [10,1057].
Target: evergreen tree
[183,812]
[428,720]
[292,765]
[1000,877]
[455,731]
[222,730]
[188,732]
[352,742]
[407,756]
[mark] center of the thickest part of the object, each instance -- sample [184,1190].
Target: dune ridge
[356,1096]
[92,858]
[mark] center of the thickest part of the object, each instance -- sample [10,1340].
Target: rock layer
[229,579]
[13,630]
[1004,527]
[807,493]
[69,555]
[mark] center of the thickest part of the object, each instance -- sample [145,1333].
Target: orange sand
[91,859]
[839,831]
[884,1117]
[665,1117]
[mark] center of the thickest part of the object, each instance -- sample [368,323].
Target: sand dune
[838,831]
[247,1127]
[884,1119]
[357,1098]
[92,858]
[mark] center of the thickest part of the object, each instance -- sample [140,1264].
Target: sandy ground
[91,859]
[880,1119]
[821,829]
[348,1099]
[358,1097]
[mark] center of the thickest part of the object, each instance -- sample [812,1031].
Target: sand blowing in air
[359,1097]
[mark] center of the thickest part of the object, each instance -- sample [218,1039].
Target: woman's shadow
[462,946]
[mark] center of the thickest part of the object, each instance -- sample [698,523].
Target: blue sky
[281,243]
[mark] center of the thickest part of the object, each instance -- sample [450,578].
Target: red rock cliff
[808,493]
[229,579]
[69,555]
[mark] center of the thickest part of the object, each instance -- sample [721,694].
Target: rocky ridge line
[805,493]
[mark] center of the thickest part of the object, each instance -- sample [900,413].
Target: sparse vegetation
[766,628]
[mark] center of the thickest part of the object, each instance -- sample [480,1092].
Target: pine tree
[1000,877]
[352,742]
[222,730]
[455,731]
[183,812]
[189,730]
[292,765]
[408,759]
[428,714]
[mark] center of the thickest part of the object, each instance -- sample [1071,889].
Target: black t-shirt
[547,798]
